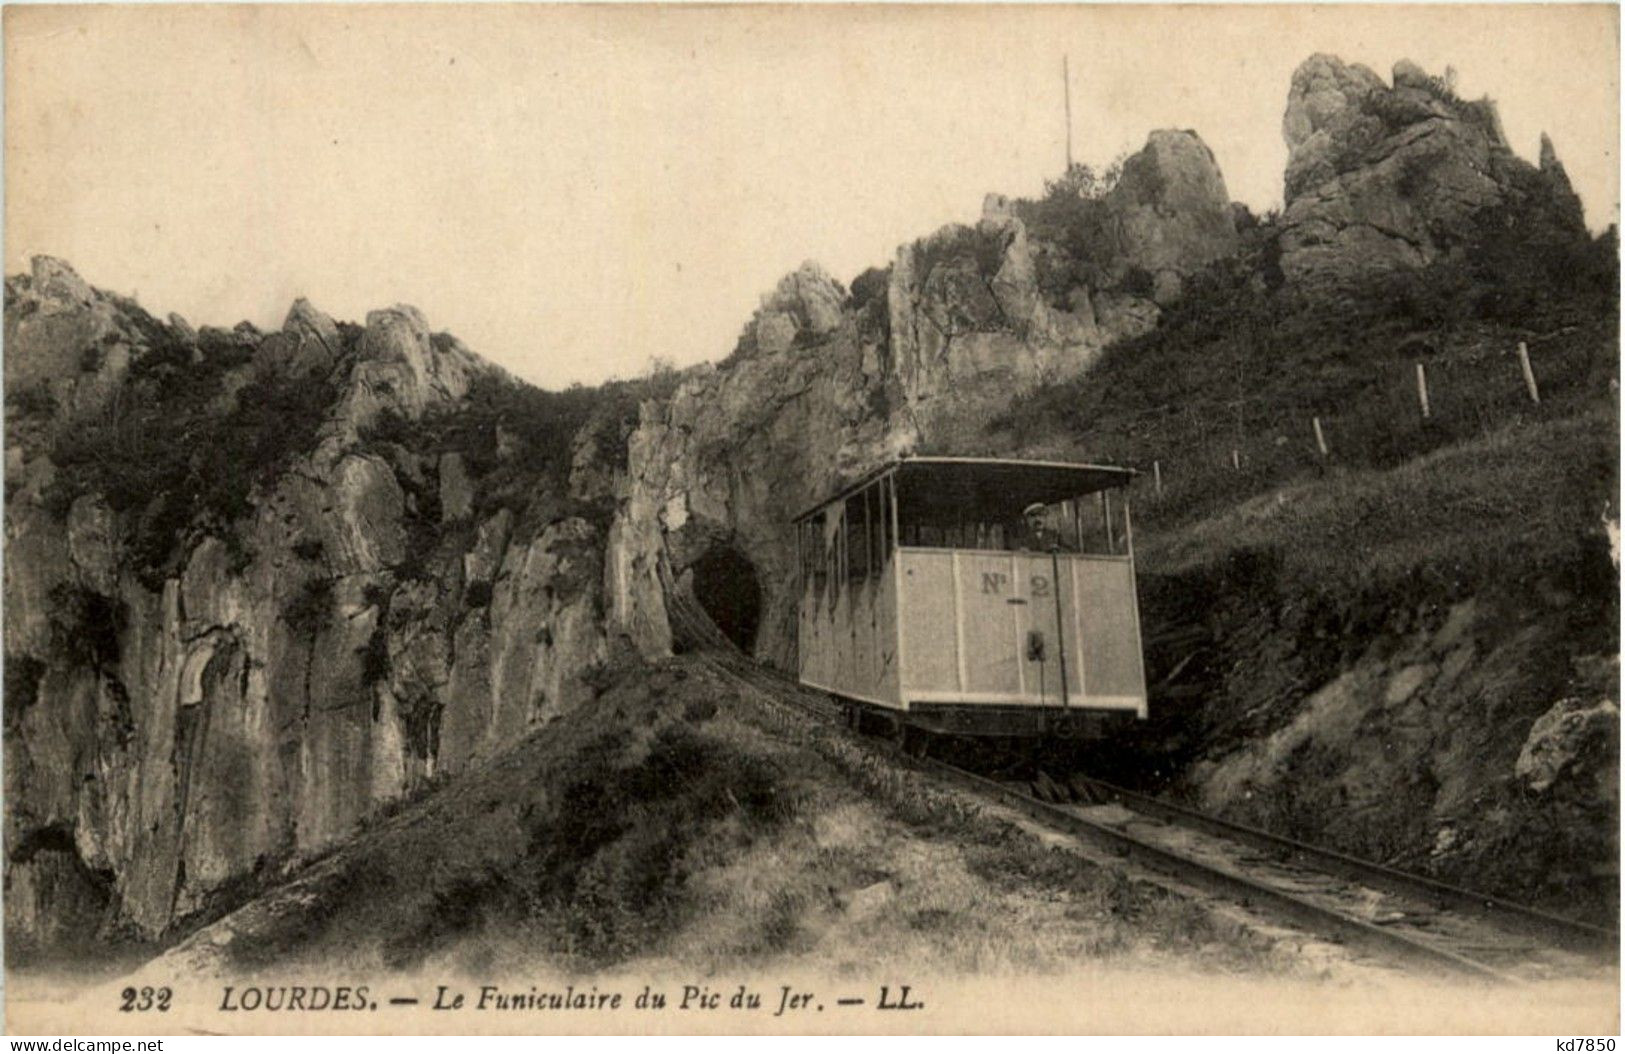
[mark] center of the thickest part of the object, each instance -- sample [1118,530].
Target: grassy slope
[678,825]
[1314,572]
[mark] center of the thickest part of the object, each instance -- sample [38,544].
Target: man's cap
[1036,506]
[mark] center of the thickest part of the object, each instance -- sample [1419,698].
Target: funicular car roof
[979,486]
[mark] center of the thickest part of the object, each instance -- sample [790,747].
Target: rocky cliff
[1384,177]
[215,668]
[827,383]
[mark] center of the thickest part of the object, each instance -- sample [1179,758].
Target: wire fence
[1405,407]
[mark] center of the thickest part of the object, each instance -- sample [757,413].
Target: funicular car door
[1043,645]
[1009,647]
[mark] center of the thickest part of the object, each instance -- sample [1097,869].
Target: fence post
[1422,387]
[1320,439]
[1528,373]
[1156,475]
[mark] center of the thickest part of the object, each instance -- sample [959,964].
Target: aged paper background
[347,154]
[45,212]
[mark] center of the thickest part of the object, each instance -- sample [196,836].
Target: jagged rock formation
[1383,177]
[1172,213]
[720,464]
[177,726]
[826,384]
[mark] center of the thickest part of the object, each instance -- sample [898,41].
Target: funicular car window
[966,534]
[814,559]
[882,531]
[828,546]
[857,536]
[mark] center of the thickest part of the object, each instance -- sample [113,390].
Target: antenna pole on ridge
[1066,88]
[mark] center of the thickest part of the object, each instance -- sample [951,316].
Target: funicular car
[977,597]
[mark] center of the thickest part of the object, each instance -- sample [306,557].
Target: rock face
[720,465]
[826,385]
[1388,177]
[297,669]
[970,330]
[1171,211]
[79,341]
[1437,747]
[1570,742]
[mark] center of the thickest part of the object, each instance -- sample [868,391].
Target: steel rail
[1563,932]
[1249,892]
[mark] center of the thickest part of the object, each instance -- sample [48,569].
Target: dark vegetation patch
[375,667]
[517,442]
[870,287]
[22,681]
[1398,108]
[982,248]
[85,625]
[477,595]
[1389,111]
[1073,242]
[308,611]
[1233,366]
[584,841]
[30,399]
[871,304]
[421,713]
[173,463]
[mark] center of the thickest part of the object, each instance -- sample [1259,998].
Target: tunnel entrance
[726,587]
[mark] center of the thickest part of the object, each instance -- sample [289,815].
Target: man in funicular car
[1036,534]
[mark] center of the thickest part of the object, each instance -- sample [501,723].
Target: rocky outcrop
[299,668]
[805,308]
[724,461]
[970,330]
[1571,744]
[1170,211]
[1383,177]
[825,385]
[80,340]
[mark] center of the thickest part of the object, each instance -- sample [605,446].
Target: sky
[578,191]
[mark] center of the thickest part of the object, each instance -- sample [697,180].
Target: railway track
[1380,911]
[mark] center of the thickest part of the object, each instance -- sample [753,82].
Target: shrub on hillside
[613,860]
[477,595]
[870,286]
[982,247]
[31,399]
[167,459]
[518,443]
[871,303]
[1070,232]
[375,656]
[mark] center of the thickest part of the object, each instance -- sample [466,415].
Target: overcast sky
[574,191]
